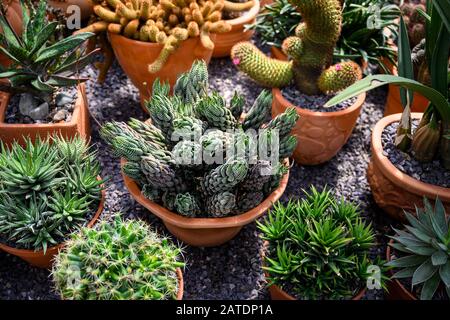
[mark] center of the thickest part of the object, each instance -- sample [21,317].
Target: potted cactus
[321,131]
[420,255]
[238,15]
[199,168]
[316,248]
[158,39]
[118,260]
[40,93]
[411,151]
[48,189]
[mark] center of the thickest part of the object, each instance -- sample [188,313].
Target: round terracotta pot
[135,56]
[38,258]
[180,284]
[86,7]
[78,125]
[204,232]
[320,134]
[393,190]
[225,41]
[396,291]
[14,17]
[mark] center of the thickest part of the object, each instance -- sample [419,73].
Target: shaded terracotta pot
[393,190]
[396,291]
[265,3]
[320,134]
[276,53]
[38,258]
[86,7]
[180,284]
[225,41]
[14,17]
[78,125]
[135,56]
[204,232]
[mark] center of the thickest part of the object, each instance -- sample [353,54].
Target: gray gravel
[232,271]
[431,172]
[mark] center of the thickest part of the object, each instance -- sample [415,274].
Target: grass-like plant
[317,247]
[44,193]
[117,260]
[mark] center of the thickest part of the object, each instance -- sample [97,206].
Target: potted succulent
[316,248]
[48,189]
[85,7]
[40,93]
[118,260]
[411,151]
[420,256]
[161,39]
[237,14]
[321,131]
[196,166]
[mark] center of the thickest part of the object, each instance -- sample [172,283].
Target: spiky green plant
[422,250]
[118,260]
[318,246]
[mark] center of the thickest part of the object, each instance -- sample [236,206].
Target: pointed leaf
[43,36]
[439,258]
[444,272]
[405,65]
[430,287]
[424,272]
[63,46]
[443,8]
[404,273]
[408,261]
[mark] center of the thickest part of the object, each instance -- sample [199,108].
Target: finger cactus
[311,51]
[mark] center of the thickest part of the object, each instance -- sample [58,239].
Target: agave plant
[40,62]
[117,260]
[318,246]
[424,250]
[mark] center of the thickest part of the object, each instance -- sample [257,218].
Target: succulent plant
[414,20]
[40,62]
[318,246]
[117,260]
[422,250]
[206,159]
[47,190]
[311,50]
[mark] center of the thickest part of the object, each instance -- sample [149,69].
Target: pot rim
[91,223]
[398,283]
[278,95]
[81,99]
[247,17]
[396,176]
[131,42]
[180,284]
[204,223]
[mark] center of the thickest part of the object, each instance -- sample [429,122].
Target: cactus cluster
[168,22]
[414,21]
[311,51]
[197,157]
[118,260]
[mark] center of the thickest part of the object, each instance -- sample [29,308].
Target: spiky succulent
[201,165]
[117,260]
[422,250]
[47,190]
[318,246]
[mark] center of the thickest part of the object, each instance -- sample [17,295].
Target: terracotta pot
[204,232]
[266,2]
[86,7]
[393,190]
[180,284]
[225,41]
[320,134]
[79,123]
[276,53]
[135,56]
[38,258]
[396,291]
[14,16]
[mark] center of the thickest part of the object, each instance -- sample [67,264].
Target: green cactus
[148,131]
[226,176]
[258,175]
[259,111]
[284,122]
[221,204]
[287,146]
[249,200]
[151,193]
[192,85]
[311,52]
[161,175]
[236,106]
[186,205]
[162,114]
[133,170]
[213,109]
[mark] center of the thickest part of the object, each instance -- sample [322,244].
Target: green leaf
[439,258]
[404,273]
[429,287]
[443,8]
[424,272]
[43,37]
[60,81]
[405,65]
[439,59]
[63,46]
[408,261]
[9,36]
[41,86]
[77,64]
[444,272]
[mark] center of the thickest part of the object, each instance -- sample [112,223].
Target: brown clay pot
[180,284]
[276,53]
[38,258]
[135,56]
[320,134]
[79,123]
[203,232]
[396,291]
[86,7]
[14,16]
[393,190]
[225,41]
[265,2]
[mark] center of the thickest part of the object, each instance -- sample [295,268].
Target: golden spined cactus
[238,6]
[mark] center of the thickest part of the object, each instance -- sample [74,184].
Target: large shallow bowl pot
[204,232]
[393,190]
[135,56]
[320,134]
[225,41]
[78,125]
[38,258]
